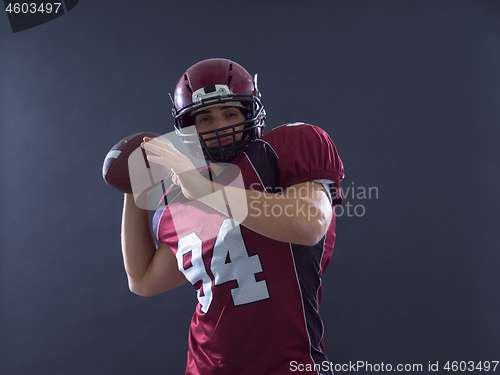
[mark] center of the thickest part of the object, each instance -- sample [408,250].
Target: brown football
[115,168]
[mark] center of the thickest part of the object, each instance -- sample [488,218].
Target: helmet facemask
[218,95]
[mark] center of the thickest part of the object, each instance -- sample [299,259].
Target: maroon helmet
[215,82]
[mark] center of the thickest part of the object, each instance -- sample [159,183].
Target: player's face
[217,118]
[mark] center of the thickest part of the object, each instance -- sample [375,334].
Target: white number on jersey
[195,272]
[230,261]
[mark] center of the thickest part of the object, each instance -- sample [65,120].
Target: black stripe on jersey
[307,260]
[264,161]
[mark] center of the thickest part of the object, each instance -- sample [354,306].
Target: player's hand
[184,174]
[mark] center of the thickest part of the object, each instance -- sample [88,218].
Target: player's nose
[219,123]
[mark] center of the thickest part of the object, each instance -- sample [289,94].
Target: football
[115,169]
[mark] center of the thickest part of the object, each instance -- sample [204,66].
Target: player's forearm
[138,245]
[295,220]
[300,220]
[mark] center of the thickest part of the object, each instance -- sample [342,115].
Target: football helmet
[216,82]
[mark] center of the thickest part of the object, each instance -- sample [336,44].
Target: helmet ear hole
[187,120]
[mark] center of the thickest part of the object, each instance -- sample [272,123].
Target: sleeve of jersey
[307,153]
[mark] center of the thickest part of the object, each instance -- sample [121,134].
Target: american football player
[255,257]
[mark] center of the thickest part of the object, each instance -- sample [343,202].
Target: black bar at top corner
[26,14]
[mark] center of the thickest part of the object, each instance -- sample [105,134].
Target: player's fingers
[159,141]
[169,163]
[160,160]
[175,179]
[159,150]
[161,144]
[152,141]
[166,144]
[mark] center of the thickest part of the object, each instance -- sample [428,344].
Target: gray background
[408,90]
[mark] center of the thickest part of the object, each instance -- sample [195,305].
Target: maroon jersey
[258,308]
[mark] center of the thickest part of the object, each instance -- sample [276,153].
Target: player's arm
[300,215]
[150,269]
